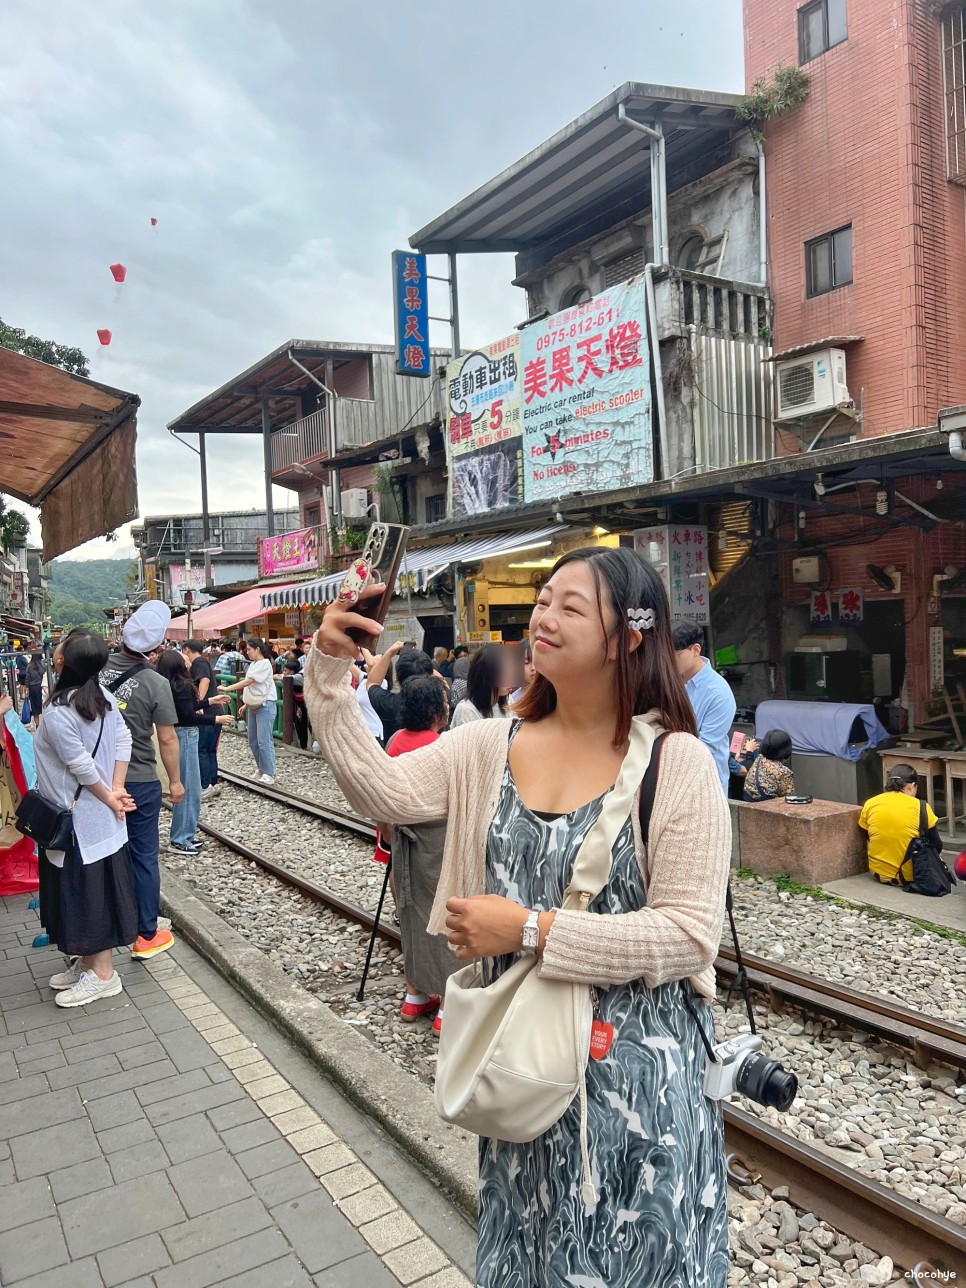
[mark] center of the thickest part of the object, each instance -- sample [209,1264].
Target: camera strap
[740,982]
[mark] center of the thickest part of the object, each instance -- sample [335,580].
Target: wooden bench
[809,843]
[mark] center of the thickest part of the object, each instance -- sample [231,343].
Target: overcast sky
[285,151]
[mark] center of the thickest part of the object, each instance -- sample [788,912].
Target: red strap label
[601,1037]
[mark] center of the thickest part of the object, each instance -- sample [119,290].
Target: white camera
[740,1066]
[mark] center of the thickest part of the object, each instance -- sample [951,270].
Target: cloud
[285,152]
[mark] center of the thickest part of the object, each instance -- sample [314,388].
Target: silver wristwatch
[530,938]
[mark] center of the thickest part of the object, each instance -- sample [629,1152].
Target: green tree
[13,526]
[58,355]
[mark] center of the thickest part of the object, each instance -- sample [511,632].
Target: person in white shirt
[488,685]
[87,899]
[260,699]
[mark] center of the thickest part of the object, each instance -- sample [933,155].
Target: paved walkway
[169,1137]
[949,911]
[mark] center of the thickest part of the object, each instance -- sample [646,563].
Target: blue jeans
[260,724]
[208,736]
[184,816]
[142,841]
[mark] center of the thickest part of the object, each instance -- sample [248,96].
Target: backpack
[929,873]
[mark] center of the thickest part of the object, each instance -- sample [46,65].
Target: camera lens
[766,1082]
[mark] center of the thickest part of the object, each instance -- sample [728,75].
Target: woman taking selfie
[87,902]
[520,796]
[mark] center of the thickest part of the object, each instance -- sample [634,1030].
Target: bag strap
[80,786]
[923,819]
[592,864]
[116,683]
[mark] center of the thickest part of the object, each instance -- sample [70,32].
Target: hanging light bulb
[881,503]
[722,540]
[801,519]
[819,486]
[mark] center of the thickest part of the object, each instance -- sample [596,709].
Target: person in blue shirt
[711,697]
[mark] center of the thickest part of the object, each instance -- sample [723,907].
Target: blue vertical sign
[411,307]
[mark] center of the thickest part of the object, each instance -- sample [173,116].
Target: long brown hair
[645,679]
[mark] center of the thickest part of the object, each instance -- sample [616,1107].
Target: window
[954,90]
[313,516]
[821,25]
[436,508]
[828,262]
[578,295]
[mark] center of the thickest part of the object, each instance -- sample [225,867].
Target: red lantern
[154,222]
[104,335]
[118,272]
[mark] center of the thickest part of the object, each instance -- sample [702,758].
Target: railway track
[926,1245]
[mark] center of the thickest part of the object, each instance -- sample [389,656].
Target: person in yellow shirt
[892,820]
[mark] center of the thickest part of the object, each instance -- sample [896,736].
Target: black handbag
[50,826]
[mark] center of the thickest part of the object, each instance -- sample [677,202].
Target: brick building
[866,232]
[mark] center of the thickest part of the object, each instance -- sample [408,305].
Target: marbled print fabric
[656,1142]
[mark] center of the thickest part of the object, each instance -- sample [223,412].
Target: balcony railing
[718,382]
[303,440]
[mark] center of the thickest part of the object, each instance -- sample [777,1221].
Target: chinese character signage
[851,605]
[291,552]
[411,309]
[820,610]
[483,427]
[679,553]
[563,406]
[585,396]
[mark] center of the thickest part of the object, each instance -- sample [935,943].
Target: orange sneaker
[413,1010]
[162,941]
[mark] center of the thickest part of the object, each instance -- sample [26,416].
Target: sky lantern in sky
[154,222]
[118,272]
[103,335]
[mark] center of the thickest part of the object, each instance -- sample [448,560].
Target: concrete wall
[868,148]
[725,199]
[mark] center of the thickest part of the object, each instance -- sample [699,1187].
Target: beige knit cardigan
[458,778]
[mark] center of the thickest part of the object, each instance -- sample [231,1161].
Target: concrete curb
[401,1104]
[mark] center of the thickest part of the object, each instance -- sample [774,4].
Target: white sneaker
[316,749]
[67,978]
[267,779]
[89,988]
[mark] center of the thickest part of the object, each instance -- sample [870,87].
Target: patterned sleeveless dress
[656,1141]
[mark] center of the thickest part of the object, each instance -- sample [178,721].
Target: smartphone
[378,561]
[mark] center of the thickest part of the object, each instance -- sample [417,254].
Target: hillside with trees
[81,589]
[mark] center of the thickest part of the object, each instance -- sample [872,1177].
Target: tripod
[361,994]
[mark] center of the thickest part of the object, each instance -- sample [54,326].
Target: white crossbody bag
[513,1054]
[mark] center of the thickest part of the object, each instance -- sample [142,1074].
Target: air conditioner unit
[812,384]
[354,502]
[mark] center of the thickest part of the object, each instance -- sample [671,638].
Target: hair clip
[640,619]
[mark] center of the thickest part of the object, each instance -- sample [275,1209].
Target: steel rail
[928,1038]
[865,1211]
[345,909]
[324,813]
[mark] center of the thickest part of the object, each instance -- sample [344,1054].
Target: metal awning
[588,176]
[67,444]
[419,566]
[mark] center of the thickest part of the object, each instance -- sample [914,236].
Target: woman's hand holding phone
[332,637]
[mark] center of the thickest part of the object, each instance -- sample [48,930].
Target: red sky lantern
[154,222]
[118,272]
[104,335]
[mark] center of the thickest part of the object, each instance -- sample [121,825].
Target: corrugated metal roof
[829,342]
[595,167]
[420,565]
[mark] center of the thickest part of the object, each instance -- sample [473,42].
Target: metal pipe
[658,183]
[311,375]
[658,369]
[267,462]
[205,522]
[454,305]
[335,478]
[921,508]
[762,219]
